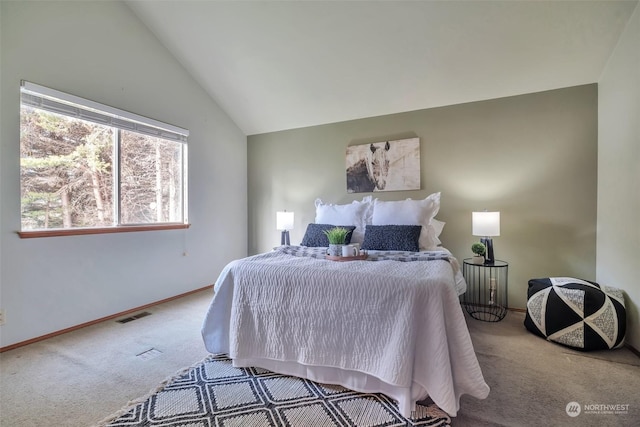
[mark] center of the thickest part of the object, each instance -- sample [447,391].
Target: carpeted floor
[79,378]
[533,380]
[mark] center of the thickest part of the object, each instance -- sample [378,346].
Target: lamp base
[284,238]
[488,256]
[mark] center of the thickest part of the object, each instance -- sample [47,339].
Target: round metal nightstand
[486,297]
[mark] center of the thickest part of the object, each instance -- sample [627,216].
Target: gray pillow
[315,237]
[392,237]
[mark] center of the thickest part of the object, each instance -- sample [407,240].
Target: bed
[389,324]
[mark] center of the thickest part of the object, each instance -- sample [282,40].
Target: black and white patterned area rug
[214,393]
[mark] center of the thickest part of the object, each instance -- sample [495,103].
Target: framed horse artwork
[384,166]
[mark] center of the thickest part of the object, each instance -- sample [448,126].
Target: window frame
[58,232]
[47,99]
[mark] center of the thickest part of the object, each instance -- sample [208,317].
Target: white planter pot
[335,250]
[479,260]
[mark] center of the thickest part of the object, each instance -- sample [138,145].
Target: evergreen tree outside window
[88,165]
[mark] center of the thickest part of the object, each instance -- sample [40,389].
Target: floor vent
[149,354]
[134,317]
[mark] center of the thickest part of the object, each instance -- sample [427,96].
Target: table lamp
[487,225]
[284,222]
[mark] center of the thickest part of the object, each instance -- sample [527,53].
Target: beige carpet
[79,378]
[532,380]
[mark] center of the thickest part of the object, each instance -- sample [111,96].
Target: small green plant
[337,235]
[478,249]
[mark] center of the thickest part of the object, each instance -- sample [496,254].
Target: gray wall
[531,157]
[101,51]
[619,173]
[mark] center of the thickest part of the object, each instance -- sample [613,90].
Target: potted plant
[478,250]
[337,237]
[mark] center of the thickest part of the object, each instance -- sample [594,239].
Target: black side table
[487,284]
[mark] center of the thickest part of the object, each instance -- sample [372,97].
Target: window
[85,165]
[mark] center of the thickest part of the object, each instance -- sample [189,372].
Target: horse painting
[383,166]
[369,173]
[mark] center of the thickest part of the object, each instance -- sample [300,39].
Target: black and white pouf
[577,313]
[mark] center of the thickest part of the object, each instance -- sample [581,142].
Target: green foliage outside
[67,174]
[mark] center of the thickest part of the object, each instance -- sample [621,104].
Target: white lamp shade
[284,220]
[485,223]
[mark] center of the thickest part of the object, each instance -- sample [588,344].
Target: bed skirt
[353,380]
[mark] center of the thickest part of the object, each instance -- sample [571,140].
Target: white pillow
[433,233]
[412,212]
[356,213]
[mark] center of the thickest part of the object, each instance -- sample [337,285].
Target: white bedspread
[397,326]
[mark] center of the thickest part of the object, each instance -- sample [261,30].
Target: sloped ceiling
[281,65]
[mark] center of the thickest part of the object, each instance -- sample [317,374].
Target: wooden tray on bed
[346,258]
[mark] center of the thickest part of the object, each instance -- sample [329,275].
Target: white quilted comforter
[380,325]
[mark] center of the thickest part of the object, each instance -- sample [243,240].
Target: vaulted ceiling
[275,65]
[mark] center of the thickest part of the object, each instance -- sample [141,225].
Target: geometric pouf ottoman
[577,313]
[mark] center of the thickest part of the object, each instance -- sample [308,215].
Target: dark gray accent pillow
[392,237]
[315,237]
